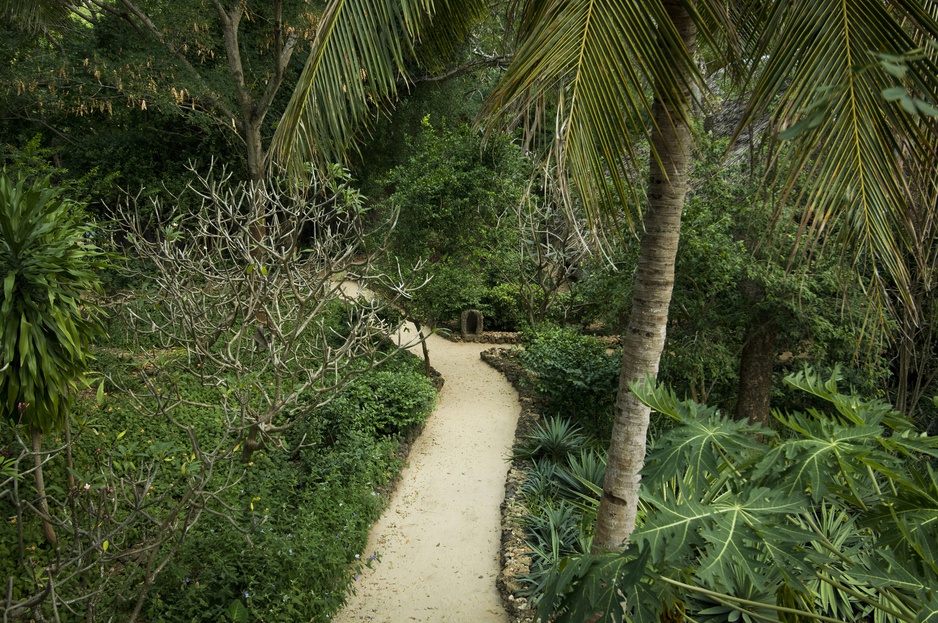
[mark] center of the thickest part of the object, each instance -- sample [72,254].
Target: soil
[447,548]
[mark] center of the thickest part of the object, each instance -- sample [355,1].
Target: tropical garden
[711,223]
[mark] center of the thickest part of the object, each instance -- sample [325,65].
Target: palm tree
[620,72]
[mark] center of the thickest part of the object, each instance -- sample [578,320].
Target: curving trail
[439,539]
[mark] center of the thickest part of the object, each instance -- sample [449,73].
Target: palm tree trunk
[654,281]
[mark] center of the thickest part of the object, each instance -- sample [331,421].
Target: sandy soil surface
[439,539]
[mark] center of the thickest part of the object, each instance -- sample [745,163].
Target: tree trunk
[755,370]
[654,281]
[48,531]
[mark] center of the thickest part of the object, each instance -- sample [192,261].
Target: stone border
[515,554]
[486,337]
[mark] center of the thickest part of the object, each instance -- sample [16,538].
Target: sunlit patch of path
[439,539]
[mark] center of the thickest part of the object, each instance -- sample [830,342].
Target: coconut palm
[620,73]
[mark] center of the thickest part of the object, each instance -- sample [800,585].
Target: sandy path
[438,540]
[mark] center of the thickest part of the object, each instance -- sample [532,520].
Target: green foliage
[381,403]
[581,479]
[835,517]
[450,198]
[286,531]
[574,374]
[48,264]
[304,515]
[295,563]
[554,438]
[725,249]
[553,533]
[501,307]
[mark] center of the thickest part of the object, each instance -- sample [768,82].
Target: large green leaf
[826,459]
[702,447]
[724,532]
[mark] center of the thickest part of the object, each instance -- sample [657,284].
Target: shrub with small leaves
[575,374]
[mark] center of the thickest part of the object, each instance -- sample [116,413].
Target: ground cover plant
[830,518]
[282,534]
[248,422]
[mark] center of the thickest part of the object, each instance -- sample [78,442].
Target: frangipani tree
[48,261]
[622,73]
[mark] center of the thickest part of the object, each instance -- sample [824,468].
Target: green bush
[301,555]
[834,517]
[380,403]
[285,533]
[575,375]
[310,511]
[501,305]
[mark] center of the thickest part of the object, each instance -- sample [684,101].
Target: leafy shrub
[300,557]
[381,403]
[501,305]
[285,532]
[836,517]
[451,195]
[575,375]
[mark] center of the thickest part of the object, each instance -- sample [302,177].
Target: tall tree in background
[620,73]
[222,62]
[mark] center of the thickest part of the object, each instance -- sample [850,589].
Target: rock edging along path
[439,540]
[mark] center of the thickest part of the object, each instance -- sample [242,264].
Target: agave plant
[552,438]
[581,480]
[554,532]
[540,482]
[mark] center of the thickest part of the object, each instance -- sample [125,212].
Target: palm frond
[35,14]
[602,62]
[846,149]
[362,52]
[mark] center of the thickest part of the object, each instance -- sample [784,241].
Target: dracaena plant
[49,263]
[830,518]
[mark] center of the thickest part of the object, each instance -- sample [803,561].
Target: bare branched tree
[256,317]
[273,326]
[553,250]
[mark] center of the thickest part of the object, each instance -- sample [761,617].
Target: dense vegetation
[200,422]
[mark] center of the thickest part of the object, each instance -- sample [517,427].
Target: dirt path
[439,539]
